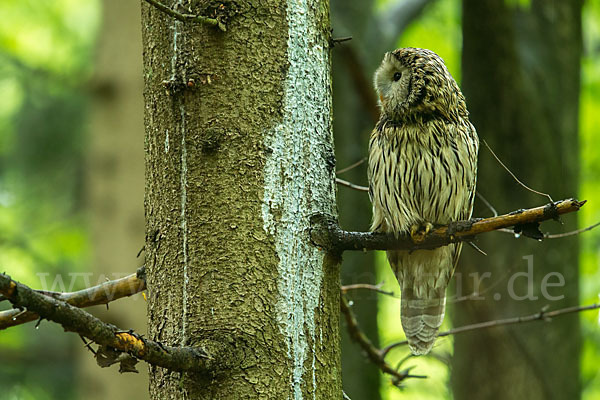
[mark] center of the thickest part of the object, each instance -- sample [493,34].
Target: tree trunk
[521,80]
[239,155]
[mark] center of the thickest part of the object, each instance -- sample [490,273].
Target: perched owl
[422,172]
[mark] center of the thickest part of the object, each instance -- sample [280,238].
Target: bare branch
[326,232]
[542,315]
[108,336]
[476,248]
[558,235]
[186,17]
[351,185]
[373,353]
[513,175]
[362,84]
[386,26]
[366,286]
[571,233]
[100,294]
[487,203]
[348,168]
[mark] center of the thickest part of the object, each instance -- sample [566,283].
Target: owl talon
[419,232]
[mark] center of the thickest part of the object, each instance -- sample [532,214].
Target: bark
[115,187]
[238,156]
[521,80]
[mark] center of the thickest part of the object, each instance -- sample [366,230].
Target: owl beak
[381,99]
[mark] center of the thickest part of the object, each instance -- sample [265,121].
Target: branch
[376,288]
[100,294]
[374,354]
[108,336]
[350,167]
[326,232]
[351,185]
[387,25]
[542,315]
[187,17]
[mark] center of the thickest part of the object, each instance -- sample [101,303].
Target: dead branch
[100,294]
[115,345]
[327,234]
[374,354]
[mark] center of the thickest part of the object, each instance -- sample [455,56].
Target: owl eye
[397,76]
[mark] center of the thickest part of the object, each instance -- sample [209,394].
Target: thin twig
[571,233]
[362,84]
[477,249]
[348,168]
[372,352]
[366,286]
[186,17]
[351,185]
[513,175]
[487,203]
[557,235]
[542,315]
[326,232]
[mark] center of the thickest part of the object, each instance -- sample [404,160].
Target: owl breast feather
[420,173]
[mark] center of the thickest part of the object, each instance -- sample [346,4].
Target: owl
[422,172]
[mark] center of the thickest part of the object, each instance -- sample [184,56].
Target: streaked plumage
[422,169]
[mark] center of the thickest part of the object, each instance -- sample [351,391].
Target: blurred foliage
[46,53]
[590,189]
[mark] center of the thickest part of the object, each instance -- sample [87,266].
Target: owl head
[413,83]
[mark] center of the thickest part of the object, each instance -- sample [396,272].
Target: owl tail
[421,317]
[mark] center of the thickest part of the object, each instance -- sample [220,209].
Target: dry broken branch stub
[76,320]
[326,232]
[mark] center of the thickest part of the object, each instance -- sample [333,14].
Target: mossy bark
[238,156]
[521,80]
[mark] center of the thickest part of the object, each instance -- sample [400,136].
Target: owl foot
[419,232]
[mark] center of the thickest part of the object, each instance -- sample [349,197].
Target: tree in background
[521,77]
[115,186]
